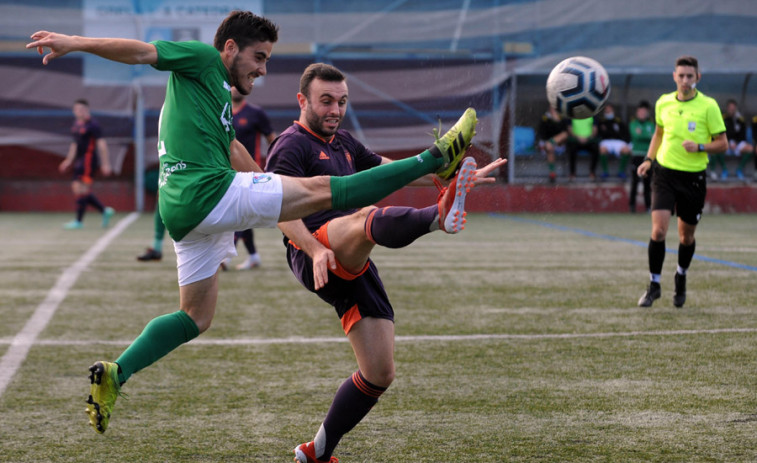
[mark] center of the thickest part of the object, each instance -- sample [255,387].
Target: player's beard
[237,80]
[317,124]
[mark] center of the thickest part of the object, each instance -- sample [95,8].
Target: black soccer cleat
[652,293]
[150,254]
[679,296]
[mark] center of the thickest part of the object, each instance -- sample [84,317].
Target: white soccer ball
[578,87]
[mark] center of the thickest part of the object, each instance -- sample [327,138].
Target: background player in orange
[87,153]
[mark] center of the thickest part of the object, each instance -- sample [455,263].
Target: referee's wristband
[651,161]
[701,147]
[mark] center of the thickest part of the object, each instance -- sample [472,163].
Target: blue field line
[642,244]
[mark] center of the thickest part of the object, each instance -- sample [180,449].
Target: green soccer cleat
[107,214]
[102,394]
[73,225]
[452,145]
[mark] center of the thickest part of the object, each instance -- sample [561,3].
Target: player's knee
[658,234]
[202,320]
[381,376]
[384,377]
[363,213]
[686,238]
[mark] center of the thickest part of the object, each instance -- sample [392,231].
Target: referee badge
[692,126]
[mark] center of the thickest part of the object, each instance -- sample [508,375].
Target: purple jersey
[298,152]
[87,160]
[250,121]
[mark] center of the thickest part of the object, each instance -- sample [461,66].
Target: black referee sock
[656,251]
[686,254]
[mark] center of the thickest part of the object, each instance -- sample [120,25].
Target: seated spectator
[582,136]
[552,133]
[641,129]
[613,139]
[735,131]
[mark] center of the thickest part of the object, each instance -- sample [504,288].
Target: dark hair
[245,28]
[644,104]
[82,101]
[320,71]
[732,101]
[688,61]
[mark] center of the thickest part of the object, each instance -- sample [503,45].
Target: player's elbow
[147,55]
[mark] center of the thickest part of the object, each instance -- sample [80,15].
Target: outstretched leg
[353,237]
[304,196]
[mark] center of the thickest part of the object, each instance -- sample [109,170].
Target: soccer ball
[578,87]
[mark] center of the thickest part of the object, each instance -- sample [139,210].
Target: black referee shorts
[679,192]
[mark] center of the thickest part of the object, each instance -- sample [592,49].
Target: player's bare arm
[240,158]
[654,145]
[127,51]
[323,258]
[102,150]
[69,158]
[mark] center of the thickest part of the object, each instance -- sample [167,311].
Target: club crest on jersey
[261,178]
[692,126]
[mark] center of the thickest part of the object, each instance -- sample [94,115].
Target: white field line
[410,339]
[24,339]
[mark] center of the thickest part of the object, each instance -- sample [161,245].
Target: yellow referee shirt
[697,119]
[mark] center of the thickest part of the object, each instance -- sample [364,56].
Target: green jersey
[697,119]
[583,127]
[194,135]
[641,135]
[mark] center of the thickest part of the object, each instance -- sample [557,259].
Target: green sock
[369,186]
[744,159]
[551,166]
[162,335]
[720,160]
[623,164]
[160,230]
[603,162]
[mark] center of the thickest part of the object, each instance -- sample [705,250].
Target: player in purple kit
[250,123]
[314,145]
[87,153]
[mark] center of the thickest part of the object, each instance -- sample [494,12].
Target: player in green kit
[689,125]
[209,185]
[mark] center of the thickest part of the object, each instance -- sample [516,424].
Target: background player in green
[641,129]
[209,185]
[689,124]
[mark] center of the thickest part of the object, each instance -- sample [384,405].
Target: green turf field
[518,340]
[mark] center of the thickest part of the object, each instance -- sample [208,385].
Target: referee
[689,125]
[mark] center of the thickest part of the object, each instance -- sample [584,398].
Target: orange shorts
[322,235]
